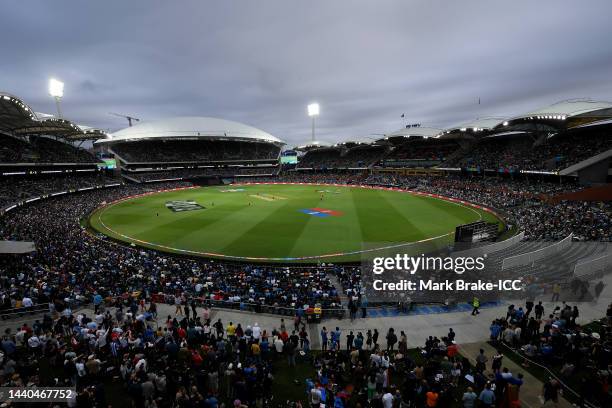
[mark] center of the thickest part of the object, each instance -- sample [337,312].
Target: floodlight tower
[56,90]
[313,111]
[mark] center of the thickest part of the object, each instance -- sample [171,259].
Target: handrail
[38,308]
[530,257]
[491,248]
[590,267]
[550,372]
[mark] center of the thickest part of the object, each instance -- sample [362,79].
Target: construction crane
[129,118]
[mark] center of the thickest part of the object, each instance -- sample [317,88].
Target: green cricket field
[283,222]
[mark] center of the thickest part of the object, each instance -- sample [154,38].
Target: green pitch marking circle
[284,222]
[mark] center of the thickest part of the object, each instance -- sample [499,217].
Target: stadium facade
[198,145]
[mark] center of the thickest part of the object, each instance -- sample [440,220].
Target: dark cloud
[261,62]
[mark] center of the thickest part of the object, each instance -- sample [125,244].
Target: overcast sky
[262,61]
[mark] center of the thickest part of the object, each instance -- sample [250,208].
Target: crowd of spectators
[172,151]
[41,150]
[564,150]
[124,355]
[19,188]
[192,360]
[64,247]
[355,157]
[508,153]
[504,153]
[188,173]
[525,153]
[377,371]
[581,356]
[411,153]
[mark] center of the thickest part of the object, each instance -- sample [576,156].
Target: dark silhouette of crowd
[523,152]
[39,149]
[14,189]
[173,151]
[190,173]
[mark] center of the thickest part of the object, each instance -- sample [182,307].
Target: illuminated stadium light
[56,90]
[313,109]
[313,112]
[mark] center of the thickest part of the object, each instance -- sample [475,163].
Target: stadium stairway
[531,388]
[343,298]
[560,265]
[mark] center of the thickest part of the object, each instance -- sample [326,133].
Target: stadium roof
[565,114]
[313,145]
[191,127]
[476,125]
[358,141]
[569,108]
[417,131]
[17,118]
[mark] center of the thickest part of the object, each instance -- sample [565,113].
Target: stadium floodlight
[313,111]
[56,90]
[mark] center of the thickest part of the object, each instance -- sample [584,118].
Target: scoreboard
[476,232]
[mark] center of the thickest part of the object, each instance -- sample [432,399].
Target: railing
[592,267]
[338,312]
[39,308]
[491,248]
[549,372]
[20,311]
[530,258]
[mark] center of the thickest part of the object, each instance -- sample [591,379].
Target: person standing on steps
[375,338]
[476,306]
[324,339]
[556,289]
[364,307]
[178,305]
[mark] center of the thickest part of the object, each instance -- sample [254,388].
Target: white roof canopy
[569,108]
[421,131]
[191,126]
[480,124]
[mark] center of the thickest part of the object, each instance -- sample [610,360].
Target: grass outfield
[276,223]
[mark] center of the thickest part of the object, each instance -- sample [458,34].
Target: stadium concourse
[86,311]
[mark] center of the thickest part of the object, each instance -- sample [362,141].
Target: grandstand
[185,147]
[29,139]
[558,229]
[570,138]
[416,147]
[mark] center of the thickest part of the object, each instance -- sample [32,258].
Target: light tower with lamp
[56,90]
[313,111]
